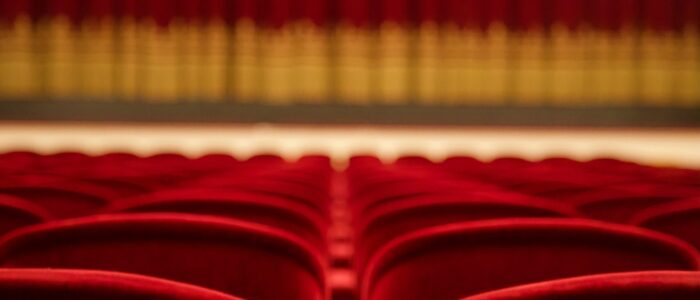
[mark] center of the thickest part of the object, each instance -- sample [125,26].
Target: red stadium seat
[618,206]
[389,221]
[244,259]
[265,159]
[463,259]
[61,198]
[17,160]
[123,187]
[651,285]
[16,213]
[362,164]
[273,211]
[306,178]
[117,157]
[62,284]
[398,190]
[221,159]
[679,218]
[320,160]
[413,161]
[302,194]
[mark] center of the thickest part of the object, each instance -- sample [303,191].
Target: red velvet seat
[413,161]
[559,183]
[265,159]
[16,213]
[614,165]
[463,259]
[320,160]
[359,165]
[364,160]
[277,212]
[393,219]
[63,284]
[678,176]
[133,173]
[63,163]
[17,159]
[302,194]
[240,258]
[618,206]
[679,218]
[398,190]
[122,186]
[307,178]
[117,157]
[650,285]
[364,179]
[61,198]
[510,162]
[366,184]
[221,159]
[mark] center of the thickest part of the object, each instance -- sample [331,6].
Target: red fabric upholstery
[413,161]
[264,159]
[651,285]
[679,218]
[462,259]
[16,161]
[62,284]
[618,206]
[217,160]
[61,198]
[277,212]
[16,213]
[123,187]
[366,179]
[244,259]
[386,222]
[292,191]
[394,191]
[320,160]
[305,173]
[117,157]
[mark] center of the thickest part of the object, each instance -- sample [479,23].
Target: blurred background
[551,64]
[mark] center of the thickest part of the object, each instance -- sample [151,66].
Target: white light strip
[654,146]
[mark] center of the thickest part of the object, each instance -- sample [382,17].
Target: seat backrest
[389,221]
[62,199]
[650,285]
[399,190]
[280,213]
[294,192]
[463,259]
[679,218]
[616,206]
[66,284]
[16,213]
[240,258]
[124,188]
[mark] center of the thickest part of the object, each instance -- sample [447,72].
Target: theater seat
[245,259]
[277,212]
[295,192]
[616,205]
[123,187]
[396,191]
[62,199]
[395,218]
[651,285]
[679,218]
[463,259]
[16,213]
[63,284]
